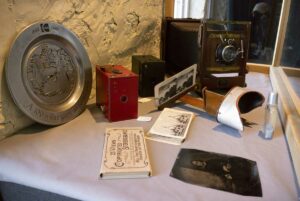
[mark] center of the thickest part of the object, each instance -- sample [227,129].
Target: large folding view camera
[179,44]
[223,52]
[219,48]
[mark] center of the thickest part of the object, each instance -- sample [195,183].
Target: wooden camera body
[223,53]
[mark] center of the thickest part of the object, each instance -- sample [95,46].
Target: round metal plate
[49,73]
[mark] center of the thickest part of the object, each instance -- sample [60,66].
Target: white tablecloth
[66,159]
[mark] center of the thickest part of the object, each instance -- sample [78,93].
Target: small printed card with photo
[171,126]
[177,84]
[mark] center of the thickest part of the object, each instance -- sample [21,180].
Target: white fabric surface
[66,159]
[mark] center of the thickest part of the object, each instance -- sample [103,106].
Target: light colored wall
[189,8]
[111,31]
[197,8]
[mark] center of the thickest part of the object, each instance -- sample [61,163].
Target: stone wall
[111,31]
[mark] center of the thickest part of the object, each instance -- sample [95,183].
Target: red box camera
[117,92]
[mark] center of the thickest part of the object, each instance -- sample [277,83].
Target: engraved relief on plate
[50,73]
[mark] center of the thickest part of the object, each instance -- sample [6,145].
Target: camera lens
[229,53]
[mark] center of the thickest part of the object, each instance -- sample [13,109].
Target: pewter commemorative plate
[49,73]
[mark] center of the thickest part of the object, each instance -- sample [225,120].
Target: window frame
[289,100]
